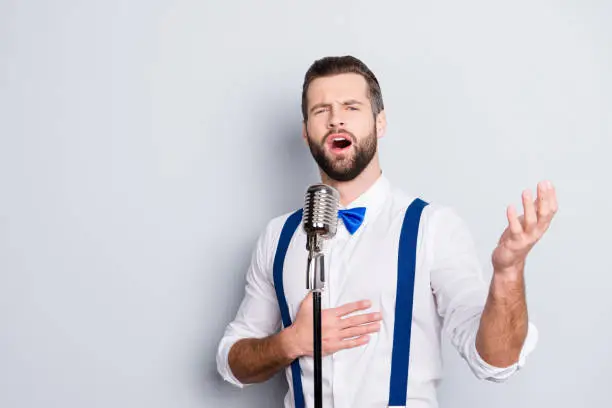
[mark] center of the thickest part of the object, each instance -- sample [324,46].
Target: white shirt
[449,297]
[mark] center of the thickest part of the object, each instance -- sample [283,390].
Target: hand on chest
[359,267]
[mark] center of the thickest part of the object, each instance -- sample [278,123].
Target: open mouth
[339,142]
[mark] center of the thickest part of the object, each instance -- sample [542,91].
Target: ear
[381,124]
[304,133]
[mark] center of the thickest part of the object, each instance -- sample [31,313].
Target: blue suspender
[403,305]
[406,266]
[279,260]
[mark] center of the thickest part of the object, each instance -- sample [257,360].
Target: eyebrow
[345,103]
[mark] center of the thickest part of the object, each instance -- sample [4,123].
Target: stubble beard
[345,167]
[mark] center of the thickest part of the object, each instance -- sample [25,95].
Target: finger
[352,343]
[351,307]
[332,347]
[360,330]
[543,204]
[549,208]
[360,319]
[513,221]
[531,218]
[553,198]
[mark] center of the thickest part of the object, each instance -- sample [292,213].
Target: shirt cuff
[484,370]
[223,366]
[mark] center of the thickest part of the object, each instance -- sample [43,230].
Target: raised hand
[524,231]
[338,331]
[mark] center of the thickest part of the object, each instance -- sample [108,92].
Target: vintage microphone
[320,221]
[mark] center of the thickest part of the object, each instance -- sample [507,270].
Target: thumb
[306,304]
[307,300]
[303,310]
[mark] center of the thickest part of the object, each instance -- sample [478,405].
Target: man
[364,301]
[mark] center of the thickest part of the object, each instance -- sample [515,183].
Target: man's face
[341,129]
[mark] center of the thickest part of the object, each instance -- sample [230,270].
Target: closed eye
[352,104]
[320,109]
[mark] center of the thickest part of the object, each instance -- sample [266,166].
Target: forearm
[256,360]
[504,321]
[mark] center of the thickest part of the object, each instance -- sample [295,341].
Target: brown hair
[342,65]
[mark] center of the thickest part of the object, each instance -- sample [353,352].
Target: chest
[358,267]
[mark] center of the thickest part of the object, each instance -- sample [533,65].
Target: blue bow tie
[352,218]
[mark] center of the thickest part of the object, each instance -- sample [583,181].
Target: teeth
[339,139]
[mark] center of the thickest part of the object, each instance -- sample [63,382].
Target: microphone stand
[315,282]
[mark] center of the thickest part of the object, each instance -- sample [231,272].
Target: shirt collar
[372,199]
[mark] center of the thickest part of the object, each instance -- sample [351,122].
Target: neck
[351,190]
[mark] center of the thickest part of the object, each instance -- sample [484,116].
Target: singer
[400,273]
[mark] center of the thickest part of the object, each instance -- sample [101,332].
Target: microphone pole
[320,222]
[317,275]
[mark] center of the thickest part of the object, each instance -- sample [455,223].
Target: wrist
[509,273]
[507,283]
[288,338]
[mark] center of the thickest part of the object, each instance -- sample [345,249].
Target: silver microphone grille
[321,210]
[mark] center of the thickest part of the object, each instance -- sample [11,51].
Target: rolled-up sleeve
[486,371]
[258,315]
[461,293]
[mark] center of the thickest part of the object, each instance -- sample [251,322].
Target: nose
[336,120]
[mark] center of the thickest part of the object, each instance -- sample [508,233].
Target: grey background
[145,144]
